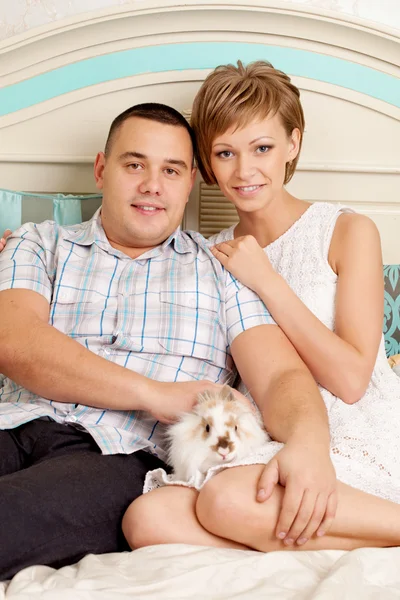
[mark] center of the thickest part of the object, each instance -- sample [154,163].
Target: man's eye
[171,172]
[134,166]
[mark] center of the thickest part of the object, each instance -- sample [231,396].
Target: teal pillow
[391,318]
[22,207]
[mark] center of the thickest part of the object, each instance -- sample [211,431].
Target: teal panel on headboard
[20,207]
[197,55]
[10,210]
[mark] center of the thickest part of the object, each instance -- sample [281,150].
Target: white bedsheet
[172,572]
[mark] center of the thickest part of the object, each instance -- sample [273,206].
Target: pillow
[391,319]
[23,207]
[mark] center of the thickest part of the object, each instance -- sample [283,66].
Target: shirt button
[73,419]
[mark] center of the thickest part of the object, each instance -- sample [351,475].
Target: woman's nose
[244,169]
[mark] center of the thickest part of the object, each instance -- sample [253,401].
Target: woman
[320,274]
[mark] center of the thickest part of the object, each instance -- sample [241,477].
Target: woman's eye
[262,149]
[208,428]
[225,154]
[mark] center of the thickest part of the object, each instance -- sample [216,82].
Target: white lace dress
[365,437]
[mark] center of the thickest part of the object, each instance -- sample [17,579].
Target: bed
[60,88]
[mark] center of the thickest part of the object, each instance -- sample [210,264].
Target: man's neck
[131,252]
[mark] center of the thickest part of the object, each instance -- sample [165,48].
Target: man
[110,329]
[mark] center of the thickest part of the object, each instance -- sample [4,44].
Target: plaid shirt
[170,315]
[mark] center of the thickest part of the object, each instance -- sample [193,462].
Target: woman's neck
[269,224]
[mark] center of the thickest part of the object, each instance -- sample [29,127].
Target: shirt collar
[85,234]
[92,232]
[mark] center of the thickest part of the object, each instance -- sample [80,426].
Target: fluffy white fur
[218,430]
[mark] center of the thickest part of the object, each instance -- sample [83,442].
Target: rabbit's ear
[204,396]
[227,394]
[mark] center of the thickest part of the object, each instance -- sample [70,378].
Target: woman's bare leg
[167,516]
[227,507]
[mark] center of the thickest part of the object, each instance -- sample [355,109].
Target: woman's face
[249,163]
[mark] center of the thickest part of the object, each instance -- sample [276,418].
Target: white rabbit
[218,430]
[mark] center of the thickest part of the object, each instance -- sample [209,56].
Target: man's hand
[167,401]
[310,498]
[3,240]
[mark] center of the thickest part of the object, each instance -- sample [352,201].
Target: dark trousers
[60,498]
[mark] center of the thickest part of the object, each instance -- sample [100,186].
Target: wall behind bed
[18,17]
[63,83]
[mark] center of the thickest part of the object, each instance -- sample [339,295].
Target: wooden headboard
[61,86]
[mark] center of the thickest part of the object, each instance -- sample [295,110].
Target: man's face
[146,180]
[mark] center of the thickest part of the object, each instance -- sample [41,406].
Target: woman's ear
[294,144]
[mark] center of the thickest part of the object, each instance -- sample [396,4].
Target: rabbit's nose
[223,442]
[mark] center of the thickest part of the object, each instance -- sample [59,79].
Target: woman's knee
[155,517]
[217,505]
[133,517]
[227,506]
[142,521]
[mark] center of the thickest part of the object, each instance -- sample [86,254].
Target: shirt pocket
[79,307]
[190,323]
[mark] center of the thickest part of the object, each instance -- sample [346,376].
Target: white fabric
[365,440]
[173,572]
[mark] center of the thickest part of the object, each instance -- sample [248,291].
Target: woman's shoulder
[354,228]
[354,234]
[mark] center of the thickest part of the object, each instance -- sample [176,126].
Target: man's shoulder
[222,236]
[193,238]
[194,242]
[198,239]
[48,233]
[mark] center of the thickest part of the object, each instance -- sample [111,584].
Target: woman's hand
[245,259]
[310,500]
[4,239]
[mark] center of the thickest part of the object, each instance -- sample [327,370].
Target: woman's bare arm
[341,361]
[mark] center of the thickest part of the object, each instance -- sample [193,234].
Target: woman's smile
[248,191]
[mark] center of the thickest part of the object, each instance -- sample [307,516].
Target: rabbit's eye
[208,428]
[235,427]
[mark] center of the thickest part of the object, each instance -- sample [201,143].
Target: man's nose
[151,184]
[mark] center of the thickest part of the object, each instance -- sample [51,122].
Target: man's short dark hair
[152,111]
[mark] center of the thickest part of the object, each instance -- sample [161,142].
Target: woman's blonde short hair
[232,96]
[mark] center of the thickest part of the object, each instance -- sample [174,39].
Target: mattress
[191,572]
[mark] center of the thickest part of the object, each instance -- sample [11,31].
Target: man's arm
[47,362]
[294,413]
